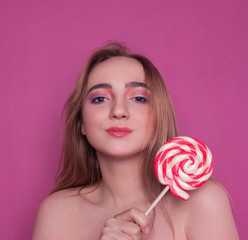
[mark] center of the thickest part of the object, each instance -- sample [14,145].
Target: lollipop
[182,163]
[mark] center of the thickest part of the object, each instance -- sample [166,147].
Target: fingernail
[147,230]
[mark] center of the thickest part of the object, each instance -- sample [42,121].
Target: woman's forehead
[117,68]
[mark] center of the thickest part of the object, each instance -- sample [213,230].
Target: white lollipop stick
[157,200]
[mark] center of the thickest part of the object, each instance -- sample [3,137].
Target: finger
[137,216]
[128,228]
[115,234]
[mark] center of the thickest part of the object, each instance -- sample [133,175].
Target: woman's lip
[118,131]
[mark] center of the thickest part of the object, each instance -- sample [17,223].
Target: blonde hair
[79,165]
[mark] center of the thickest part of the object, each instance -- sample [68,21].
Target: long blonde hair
[79,165]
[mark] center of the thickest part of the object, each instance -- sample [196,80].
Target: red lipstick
[118,131]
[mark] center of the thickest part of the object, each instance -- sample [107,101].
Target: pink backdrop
[200,47]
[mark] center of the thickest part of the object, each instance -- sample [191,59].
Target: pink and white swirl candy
[183,163]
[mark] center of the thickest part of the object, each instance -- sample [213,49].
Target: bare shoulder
[59,213]
[211,194]
[66,201]
[208,213]
[58,202]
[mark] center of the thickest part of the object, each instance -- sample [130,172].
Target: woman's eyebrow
[101,85]
[108,86]
[136,84]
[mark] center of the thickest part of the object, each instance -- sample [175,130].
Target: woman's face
[117,118]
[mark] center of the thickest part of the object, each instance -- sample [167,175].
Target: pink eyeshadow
[98,93]
[142,92]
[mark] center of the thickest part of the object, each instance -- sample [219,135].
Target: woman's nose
[119,110]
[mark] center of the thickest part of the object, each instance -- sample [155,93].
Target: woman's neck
[121,180]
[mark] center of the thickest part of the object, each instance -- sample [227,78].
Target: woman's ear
[82,129]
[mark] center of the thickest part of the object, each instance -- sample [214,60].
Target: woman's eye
[140,99]
[98,100]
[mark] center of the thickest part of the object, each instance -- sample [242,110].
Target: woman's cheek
[141,109]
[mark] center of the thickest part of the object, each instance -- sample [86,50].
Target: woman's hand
[125,226]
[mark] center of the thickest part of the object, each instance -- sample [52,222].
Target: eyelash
[98,100]
[101,99]
[140,99]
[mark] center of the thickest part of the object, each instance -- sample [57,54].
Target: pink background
[199,46]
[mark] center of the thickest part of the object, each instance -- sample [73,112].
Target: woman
[117,117]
